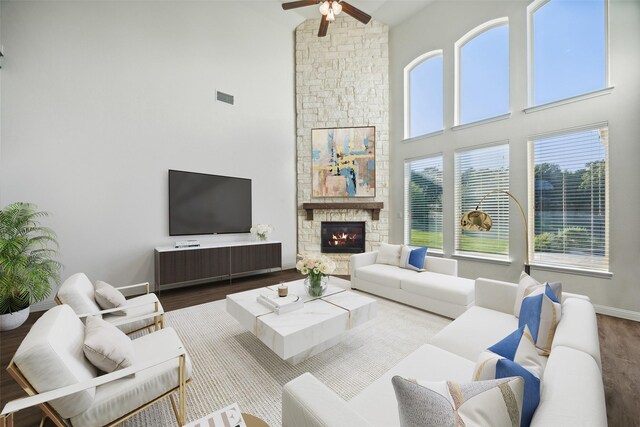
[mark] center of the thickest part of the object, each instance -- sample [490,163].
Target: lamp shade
[476,221]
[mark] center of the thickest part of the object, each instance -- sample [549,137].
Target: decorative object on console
[541,312]
[329,9]
[527,285]
[477,220]
[27,264]
[343,162]
[317,268]
[262,231]
[426,403]
[514,356]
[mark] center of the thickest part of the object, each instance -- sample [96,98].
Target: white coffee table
[300,334]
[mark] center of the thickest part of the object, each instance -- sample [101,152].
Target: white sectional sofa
[438,289]
[571,391]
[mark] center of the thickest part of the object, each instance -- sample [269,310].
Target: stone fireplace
[342,237]
[342,81]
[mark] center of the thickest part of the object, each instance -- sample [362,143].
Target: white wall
[100,99]
[438,26]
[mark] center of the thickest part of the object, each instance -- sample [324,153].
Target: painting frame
[343,162]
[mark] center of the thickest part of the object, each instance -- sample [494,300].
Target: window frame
[482,256]
[407,91]
[459,44]
[406,204]
[532,8]
[531,208]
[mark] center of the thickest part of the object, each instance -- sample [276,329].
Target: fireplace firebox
[340,237]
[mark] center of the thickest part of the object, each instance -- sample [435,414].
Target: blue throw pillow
[514,356]
[413,258]
[541,312]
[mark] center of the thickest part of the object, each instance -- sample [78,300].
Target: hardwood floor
[619,344]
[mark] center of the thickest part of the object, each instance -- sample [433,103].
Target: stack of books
[280,305]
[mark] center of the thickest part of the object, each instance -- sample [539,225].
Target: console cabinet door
[188,265]
[255,257]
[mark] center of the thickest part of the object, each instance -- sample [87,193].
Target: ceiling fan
[329,9]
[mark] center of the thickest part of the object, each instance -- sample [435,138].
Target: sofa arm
[360,260]
[440,265]
[496,295]
[306,402]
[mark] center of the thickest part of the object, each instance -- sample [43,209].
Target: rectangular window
[478,173]
[569,200]
[423,202]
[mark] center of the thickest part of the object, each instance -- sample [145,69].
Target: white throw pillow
[527,285]
[389,254]
[107,347]
[109,297]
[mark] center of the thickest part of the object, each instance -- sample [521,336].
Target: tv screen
[208,204]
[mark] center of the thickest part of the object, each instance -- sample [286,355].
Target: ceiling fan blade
[355,12]
[296,4]
[324,25]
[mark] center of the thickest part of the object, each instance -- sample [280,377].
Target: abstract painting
[343,162]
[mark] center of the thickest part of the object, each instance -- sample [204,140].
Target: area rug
[231,365]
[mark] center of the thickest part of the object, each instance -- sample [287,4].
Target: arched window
[423,95]
[567,49]
[482,72]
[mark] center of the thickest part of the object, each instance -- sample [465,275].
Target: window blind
[423,202]
[569,199]
[479,172]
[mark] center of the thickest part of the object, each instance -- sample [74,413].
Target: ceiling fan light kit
[329,9]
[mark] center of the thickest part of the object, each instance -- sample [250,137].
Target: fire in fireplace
[342,237]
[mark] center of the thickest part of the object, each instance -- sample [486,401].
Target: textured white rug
[231,365]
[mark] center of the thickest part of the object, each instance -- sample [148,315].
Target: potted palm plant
[27,264]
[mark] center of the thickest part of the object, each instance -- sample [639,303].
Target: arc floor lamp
[477,220]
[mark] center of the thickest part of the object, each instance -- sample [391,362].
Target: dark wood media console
[208,263]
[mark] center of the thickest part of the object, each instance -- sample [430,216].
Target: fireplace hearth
[341,237]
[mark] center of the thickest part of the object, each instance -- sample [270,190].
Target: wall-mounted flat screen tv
[208,204]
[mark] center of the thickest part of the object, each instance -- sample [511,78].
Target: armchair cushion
[78,292]
[109,297]
[51,357]
[117,398]
[106,346]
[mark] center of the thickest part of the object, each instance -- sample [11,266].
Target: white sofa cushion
[107,347]
[51,357]
[78,292]
[384,275]
[477,329]
[578,328]
[108,297]
[572,394]
[389,254]
[117,398]
[147,306]
[377,403]
[496,403]
[442,287]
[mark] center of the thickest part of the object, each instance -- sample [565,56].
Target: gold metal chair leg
[175,409]
[7,420]
[181,390]
[43,419]
[162,321]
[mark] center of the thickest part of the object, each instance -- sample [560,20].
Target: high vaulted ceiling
[390,12]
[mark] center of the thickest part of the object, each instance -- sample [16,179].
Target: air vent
[224,97]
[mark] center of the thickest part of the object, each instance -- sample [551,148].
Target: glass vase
[262,237]
[316,285]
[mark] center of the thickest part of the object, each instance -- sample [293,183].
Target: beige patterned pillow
[107,347]
[109,297]
[495,403]
[527,285]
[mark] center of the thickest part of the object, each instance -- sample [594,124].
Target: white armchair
[144,311]
[51,367]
